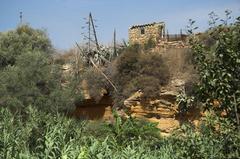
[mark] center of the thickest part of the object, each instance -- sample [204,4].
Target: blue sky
[63,19]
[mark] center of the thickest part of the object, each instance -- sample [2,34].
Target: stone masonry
[142,33]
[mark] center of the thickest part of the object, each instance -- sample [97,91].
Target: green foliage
[219,68]
[216,138]
[32,81]
[30,78]
[131,129]
[40,135]
[185,102]
[23,39]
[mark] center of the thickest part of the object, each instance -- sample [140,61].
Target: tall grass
[36,134]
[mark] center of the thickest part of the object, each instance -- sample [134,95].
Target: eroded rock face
[89,109]
[133,99]
[166,125]
[161,111]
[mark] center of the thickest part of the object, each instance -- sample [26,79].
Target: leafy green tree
[33,81]
[218,65]
[23,39]
[28,75]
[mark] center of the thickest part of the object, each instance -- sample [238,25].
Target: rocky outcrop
[91,110]
[166,125]
[161,111]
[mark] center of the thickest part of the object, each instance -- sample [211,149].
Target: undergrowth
[40,135]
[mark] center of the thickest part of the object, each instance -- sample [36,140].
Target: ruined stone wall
[154,31]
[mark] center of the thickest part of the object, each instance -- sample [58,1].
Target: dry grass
[179,63]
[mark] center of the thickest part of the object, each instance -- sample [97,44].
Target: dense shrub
[206,143]
[135,70]
[22,40]
[219,69]
[27,75]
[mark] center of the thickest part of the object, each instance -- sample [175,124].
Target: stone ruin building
[140,34]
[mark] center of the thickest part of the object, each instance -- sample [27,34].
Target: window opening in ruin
[142,31]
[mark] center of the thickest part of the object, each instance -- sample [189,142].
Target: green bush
[219,69]
[33,81]
[29,77]
[23,39]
